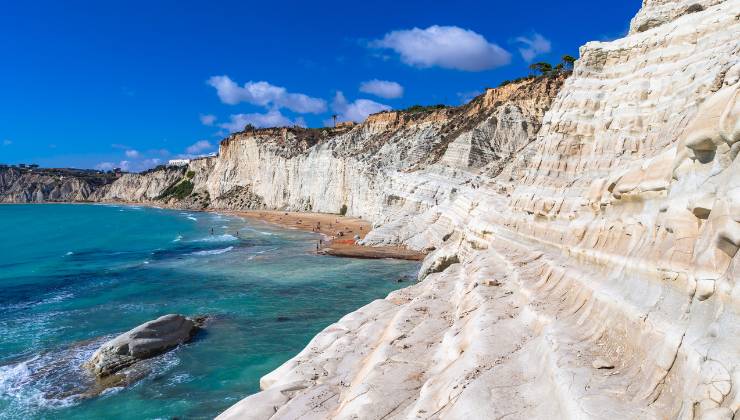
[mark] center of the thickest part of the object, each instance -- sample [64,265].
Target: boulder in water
[147,340]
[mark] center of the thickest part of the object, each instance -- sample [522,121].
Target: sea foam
[217,238]
[214,251]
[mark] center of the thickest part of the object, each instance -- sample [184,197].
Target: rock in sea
[147,340]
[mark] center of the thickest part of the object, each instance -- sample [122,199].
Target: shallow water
[72,276]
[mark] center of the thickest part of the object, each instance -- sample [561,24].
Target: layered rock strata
[594,276]
[322,170]
[50,185]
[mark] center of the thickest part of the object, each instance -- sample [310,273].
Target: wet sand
[339,233]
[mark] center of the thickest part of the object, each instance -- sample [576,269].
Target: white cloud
[448,47]
[383,88]
[133,154]
[272,118]
[207,119]
[265,94]
[533,46]
[199,147]
[354,111]
[7,142]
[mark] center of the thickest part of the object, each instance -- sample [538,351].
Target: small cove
[72,276]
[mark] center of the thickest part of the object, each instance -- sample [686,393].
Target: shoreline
[340,233]
[344,279]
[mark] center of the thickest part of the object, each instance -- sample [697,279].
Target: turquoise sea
[74,276]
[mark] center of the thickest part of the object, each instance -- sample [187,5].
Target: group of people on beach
[316,228]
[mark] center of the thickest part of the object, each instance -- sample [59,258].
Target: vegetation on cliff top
[92,177]
[424,108]
[545,69]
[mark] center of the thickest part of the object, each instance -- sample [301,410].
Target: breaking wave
[217,238]
[214,251]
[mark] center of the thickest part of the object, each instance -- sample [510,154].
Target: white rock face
[373,168]
[657,12]
[146,187]
[595,275]
[40,185]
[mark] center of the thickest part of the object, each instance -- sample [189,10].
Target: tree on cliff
[568,61]
[542,67]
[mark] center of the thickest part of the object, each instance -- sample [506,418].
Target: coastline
[243,283]
[339,233]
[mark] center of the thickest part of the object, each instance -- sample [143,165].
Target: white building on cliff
[178,162]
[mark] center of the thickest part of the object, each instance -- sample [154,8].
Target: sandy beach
[340,233]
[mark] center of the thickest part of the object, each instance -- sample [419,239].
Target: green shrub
[427,108]
[343,210]
[190,174]
[568,61]
[178,190]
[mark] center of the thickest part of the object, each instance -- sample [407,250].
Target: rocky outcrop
[658,12]
[24,185]
[145,341]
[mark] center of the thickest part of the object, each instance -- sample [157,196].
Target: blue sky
[98,83]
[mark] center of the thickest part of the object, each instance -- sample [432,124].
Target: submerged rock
[147,340]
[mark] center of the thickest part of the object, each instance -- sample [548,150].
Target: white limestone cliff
[594,276]
[34,185]
[323,169]
[144,187]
